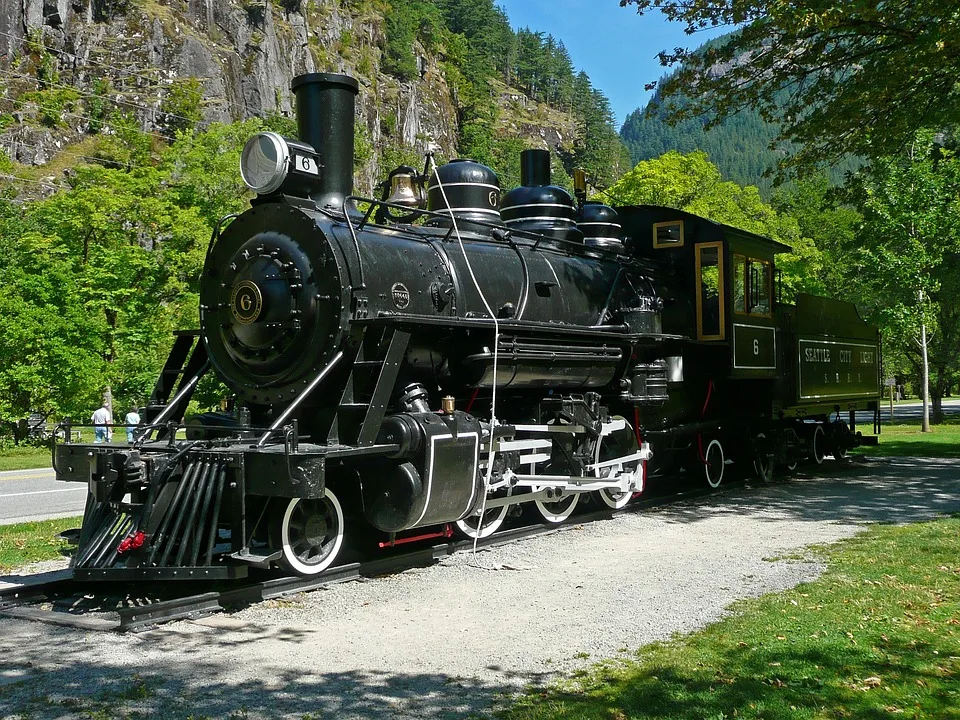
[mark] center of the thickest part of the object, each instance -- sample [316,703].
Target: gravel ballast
[451,640]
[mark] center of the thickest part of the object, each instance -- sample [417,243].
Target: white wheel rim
[493,519]
[297,546]
[708,465]
[614,499]
[556,511]
[816,447]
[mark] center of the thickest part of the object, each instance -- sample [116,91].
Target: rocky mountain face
[243,53]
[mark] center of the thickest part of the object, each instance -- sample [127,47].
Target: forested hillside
[743,146]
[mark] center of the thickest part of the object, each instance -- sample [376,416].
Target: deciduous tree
[905,260]
[862,75]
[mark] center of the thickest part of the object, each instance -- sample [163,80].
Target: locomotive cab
[725,274]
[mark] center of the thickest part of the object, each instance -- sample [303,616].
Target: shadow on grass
[835,680]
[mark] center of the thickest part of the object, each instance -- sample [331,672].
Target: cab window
[710,323]
[739,284]
[668,234]
[752,286]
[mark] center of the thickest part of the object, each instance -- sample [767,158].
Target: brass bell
[405,191]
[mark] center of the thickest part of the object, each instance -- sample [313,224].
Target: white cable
[496,353]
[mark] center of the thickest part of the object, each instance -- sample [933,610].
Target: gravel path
[450,640]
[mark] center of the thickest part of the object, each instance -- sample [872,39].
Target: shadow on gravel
[888,490]
[195,691]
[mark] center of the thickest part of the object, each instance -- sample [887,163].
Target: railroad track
[104,606]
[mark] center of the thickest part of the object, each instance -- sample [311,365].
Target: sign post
[890,383]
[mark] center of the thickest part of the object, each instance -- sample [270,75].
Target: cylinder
[325,117]
[535,168]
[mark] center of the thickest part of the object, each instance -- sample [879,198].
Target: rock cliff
[242,52]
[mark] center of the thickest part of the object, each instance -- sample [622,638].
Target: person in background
[101,421]
[132,419]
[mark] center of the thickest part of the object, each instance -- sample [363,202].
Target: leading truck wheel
[311,534]
[475,528]
[713,463]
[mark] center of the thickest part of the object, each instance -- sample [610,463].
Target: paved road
[36,495]
[911,410]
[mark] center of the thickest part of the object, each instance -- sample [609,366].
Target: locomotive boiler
[443,356]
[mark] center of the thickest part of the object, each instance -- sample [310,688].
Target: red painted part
[131,542]
[472,398]
[446,533]
[703,414]
[636,430]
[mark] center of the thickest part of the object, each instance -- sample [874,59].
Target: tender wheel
[713,463]
[311,534]
[762,468]
[793,444]
[838,437]
[473,528]
[556,511]
[818,445]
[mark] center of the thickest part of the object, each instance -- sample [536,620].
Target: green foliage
[127,145]
[408,22]
[181,105]
[97,104]
[863,75]
[904,261]
[97,278]
[827,224]
[51,104]
[692,183]
[203,167]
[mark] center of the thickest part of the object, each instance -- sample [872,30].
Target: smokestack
[325,107]
[535,168]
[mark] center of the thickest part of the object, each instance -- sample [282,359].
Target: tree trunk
[939,388]
[926,379]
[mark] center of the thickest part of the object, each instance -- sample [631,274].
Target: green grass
[906,440]
[24,457]
[877,636]
[30,542]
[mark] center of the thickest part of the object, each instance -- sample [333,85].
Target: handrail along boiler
[449,356]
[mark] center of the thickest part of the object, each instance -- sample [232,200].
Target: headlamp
[271,163]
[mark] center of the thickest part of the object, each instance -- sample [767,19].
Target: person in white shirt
[100,420]
[132,419]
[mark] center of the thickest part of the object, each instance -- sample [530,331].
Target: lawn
[906,440]
[24,457]
[31,542]
[877,636]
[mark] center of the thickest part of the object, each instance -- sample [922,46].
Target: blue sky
[617,48]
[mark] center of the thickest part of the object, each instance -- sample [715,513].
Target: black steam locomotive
[413,366]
